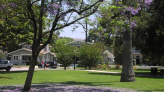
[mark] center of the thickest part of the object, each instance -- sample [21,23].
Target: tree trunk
[64,67]
[85,67]
[28,81]
[127,66]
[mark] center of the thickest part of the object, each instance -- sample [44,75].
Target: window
[23,57]
[25,46]
[16,57]
[29,58]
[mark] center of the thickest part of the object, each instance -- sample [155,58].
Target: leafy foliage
[90,55]
[65,55]
[60,42]
[147,36]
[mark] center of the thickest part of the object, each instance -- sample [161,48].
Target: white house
[24,54]
[108,57]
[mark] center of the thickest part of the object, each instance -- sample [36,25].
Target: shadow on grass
[137,74]
[78,83]
[155,90]
[148,75]
[2,77]
[6,72]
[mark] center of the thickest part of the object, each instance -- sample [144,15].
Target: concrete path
[103,71]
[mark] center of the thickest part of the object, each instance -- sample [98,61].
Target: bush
[104,67]
[99,66]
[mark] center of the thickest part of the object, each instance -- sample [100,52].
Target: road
[21,69]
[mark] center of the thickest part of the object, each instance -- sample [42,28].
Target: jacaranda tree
[119,14]
[62,13]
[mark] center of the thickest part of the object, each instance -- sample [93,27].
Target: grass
[78,77]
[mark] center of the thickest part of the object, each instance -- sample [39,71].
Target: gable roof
[79,42]
[20,50]
[29,50]
[22,43]
[110,55]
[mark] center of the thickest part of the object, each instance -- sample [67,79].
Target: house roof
[22,43]
[20,50]
[110,55]
[41,52]
[79,42]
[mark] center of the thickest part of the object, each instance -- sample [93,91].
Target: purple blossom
[133,10]
[52,8]
[62,16]
[123,12]
[117,0]
[3,7]
[54,5]
[148,2]
[127,21]
[13,5]
[15,24]
[133,24]
[92,20]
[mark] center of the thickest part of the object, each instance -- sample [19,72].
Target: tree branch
[80,12]
[40,23]
[72,21]
[35,25]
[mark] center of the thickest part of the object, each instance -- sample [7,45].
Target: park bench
[154,71]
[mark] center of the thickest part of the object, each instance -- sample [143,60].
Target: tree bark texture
[30,73]
[127,66]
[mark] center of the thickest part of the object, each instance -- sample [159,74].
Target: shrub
[104,67]
[99,66]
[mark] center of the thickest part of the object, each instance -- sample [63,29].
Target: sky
[78,33]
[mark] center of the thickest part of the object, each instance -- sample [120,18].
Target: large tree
[13,30]
[62,12]
[120,21]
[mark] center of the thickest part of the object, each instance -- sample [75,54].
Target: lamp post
[75,59]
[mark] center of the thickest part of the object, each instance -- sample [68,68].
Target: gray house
[23,55]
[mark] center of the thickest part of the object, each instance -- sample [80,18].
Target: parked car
[6,64]
[51,64]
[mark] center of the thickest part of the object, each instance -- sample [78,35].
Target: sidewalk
[102,71]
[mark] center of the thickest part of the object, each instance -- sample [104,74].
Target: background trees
[90,55]
[149,33]
[64,51]
[65,55]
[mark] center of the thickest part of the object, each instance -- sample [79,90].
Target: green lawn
[83,78]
